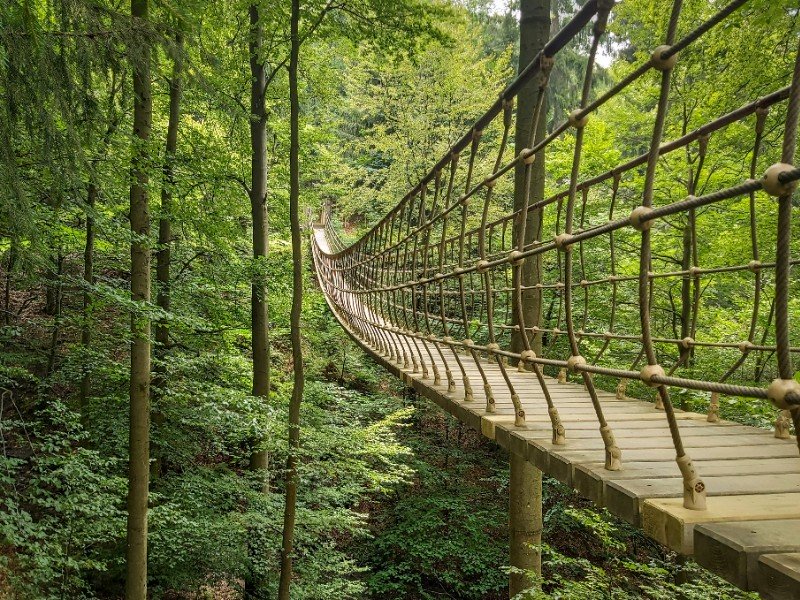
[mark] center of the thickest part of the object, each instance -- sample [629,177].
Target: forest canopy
[160,163]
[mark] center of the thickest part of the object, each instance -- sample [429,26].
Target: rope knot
[648,372]
[638,218]
[577,119]
[574,361]
[772,184]
[657,60]
[784,393]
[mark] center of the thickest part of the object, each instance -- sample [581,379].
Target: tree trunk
[163,255]
[525,488]
[139,437]
[58,288]
[534,27]
[258,205]
[88,278]
[12,259]
[297,306]
[259,312]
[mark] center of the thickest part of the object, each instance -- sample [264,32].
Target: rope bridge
[491,310]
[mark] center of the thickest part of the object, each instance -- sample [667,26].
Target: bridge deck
[752,478]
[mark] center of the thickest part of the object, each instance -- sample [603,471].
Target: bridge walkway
[753,478]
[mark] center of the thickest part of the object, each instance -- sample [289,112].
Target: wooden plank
[590,478]
[732,550]
[562,462]
[779,576]
[694,445]
[625,497]
[668,522]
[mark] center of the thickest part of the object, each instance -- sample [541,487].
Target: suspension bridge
[579,329]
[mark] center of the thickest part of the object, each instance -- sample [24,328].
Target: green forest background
[396,500]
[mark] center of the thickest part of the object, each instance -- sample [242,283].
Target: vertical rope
[613,455]
[783,255]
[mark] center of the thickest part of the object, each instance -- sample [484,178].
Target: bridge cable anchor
[613,453]
[490,403]
[713,408]
[519,412]
[694,490]
[782,424]
[559,433]
[468,395]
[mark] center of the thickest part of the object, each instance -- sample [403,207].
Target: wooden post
[524,524]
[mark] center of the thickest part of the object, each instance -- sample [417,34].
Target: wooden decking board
[668,522]
[624,497]
[749,475]
[779,576]
[732,550]
[591,479]
[561,463]
[693,444]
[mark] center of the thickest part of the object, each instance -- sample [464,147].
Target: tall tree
[88,278]
[525,485]
[534,32]
[258,207]
[297,306]
[164,252]
[139,434]
[259,308]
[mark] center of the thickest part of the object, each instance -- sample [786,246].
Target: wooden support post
[524,524]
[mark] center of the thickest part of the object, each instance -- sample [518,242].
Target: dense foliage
[396,500]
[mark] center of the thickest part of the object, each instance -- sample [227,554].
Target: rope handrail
[620,290]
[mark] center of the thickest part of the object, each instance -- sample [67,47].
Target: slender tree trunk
[88,278]
[297,306]
[12,259]
[525,486]
[139,436]
[163,256]
[58,286]
[258,204]
[51,293]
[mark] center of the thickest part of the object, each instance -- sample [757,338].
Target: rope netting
[610,280]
